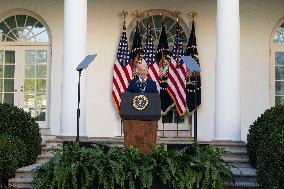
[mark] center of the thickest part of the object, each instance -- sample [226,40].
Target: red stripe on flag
[176,87]
[117,72]
[179,108]
[115,101]
[179,94]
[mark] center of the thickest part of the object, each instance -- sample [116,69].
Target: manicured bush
[12,155]
[18,123]
[266,147]
[120,168]
[261,128]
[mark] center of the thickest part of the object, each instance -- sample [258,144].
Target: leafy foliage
[10,157]
[20,140]
[266,147]
[127,168]
[18,123]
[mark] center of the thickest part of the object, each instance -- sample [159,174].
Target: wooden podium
[140,113]
[140,134]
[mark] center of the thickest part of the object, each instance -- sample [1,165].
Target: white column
[227,75]
[75,36]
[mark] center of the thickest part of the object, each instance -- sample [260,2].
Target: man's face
[143,71]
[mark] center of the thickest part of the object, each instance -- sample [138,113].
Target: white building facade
[240,45]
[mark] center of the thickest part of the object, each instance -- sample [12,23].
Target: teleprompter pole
[78,109]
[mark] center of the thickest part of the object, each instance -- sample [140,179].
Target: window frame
[274,47]
[28,45]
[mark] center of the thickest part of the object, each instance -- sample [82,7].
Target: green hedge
[266,147]
[16,122]
[9,156]
[119,168]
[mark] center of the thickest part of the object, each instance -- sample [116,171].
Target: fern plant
[127,168]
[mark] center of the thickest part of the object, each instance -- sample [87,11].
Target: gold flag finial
[177,12]
[124,13]
[163,15]
[147,13]
[193,14]
[137,13]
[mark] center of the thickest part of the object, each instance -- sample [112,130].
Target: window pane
[8,98]
[279,73]
[279,87]
[40,85]
[1,85]
[10,37]
[1,71]
[30,57]
[40,100]
[4,29]
[30,22]
[279,35]
[1,57]
[43,37]
[41,71]
[29,101]
[29,85]
[38,28]
[21,20]
[178,119]
[40,114]
[30,110]
[0,97]
[41,57]
[30,71]
[168,118]
[11,22]
[279,58]
[279,100]
[10,57]
[8,85]
[9,71]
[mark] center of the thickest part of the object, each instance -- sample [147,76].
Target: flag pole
[124,13]
[193,14]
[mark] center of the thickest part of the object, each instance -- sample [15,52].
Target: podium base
[140,134]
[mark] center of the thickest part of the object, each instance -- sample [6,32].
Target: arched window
[277,65]
[279,35]
[23,28]
[25,50]
[156,21]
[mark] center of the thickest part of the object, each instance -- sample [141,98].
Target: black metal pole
[177,120]
[195,108]
[78,109]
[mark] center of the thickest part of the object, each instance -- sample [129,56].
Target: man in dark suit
[142,84]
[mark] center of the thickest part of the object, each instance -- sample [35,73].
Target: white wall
[258,18]
[104,27]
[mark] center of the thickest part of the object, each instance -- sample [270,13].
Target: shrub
[260,128]
[120,168]
[18,123]
[11,157]
[266,147]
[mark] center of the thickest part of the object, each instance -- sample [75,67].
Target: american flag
[149,57]
[122,71]
[191,50]
[163,59]
[136,50]
[177,75]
